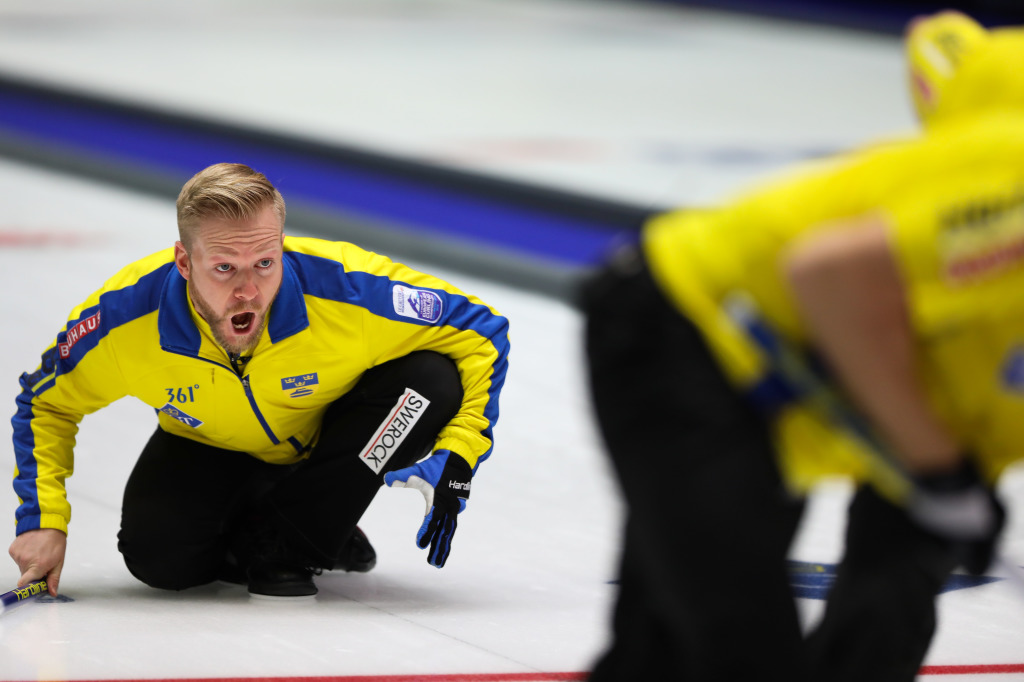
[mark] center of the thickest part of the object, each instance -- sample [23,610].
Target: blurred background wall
[886,16]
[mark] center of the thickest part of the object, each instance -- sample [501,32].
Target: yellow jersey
[340,310]
[953,202]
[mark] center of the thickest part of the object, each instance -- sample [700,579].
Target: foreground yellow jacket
[340,311]
[953,201]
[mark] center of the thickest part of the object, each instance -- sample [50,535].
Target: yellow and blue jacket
[340,310]
[952,199]
[953,203]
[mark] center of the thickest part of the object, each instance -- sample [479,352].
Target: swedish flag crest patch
[301,385]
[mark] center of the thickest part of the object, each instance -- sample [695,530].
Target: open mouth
[242,322]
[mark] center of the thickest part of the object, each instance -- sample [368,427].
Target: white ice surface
[638,102]
[526,586]
[635,101]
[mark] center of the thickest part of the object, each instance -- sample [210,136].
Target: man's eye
[266,262]
[223,267]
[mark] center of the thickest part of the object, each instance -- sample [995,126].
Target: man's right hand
[40,554]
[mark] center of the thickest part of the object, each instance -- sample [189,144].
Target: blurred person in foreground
[290,378]
[862,316]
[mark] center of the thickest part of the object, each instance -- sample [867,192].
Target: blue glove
[444,478]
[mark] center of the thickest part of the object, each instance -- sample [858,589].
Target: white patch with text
[391,434]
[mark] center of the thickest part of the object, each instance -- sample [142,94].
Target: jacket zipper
[256,410]
[234,360]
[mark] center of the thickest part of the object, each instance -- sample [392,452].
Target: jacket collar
[178,332]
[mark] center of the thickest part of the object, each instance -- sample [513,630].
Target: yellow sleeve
[78,375]
[423,312]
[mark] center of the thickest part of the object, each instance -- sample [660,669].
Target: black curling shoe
[357,555]
[280,579]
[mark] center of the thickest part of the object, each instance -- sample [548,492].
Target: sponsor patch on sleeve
[418,304]
[392,432]
[76,333]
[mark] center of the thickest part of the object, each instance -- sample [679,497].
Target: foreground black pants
[704,593]
[184,500]
[880,616]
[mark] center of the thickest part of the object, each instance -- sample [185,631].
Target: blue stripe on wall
[447,203]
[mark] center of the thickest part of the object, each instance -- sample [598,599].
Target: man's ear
[181,260]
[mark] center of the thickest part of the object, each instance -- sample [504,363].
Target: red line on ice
[990,669]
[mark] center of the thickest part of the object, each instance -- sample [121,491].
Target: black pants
[184,501]
[704,593]
[880,615]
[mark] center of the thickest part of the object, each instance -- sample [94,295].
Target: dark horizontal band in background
[524,235]
[877,16]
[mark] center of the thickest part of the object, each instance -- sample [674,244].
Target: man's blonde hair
[231,191]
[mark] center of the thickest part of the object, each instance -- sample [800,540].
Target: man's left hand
[444,478]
